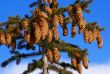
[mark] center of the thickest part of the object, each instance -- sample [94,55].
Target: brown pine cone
[8,38]
[55,20]
[56,55]
[50,56]
[49,36]
[86,35]
[79,67]
[55,33]
[99,40]
[37,32]
[73,62]
[85,62]
[44,28]
[2,38]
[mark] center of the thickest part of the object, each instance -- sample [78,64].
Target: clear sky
[100,12]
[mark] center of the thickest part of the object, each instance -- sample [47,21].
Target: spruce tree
[41,29]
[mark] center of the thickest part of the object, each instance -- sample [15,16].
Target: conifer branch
[19,56]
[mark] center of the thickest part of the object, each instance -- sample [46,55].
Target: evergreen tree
[41,29]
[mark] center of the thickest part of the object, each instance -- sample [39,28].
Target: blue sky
[100,10]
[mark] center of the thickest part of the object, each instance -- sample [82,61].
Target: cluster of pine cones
[41,28]
[6,37]
[53,56]
[78,61]
[77,18]
[46,21]
[46,28]
[90,36]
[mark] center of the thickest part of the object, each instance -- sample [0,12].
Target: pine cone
[2,38]
[55,20]
[50,56]
[86,35]
[85,62]
[50,35]
[79,67]
[8,38]
[73,62]
[56,55]
[44,28]
[37,32]
[99,40]
[73,33]
[55,33]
